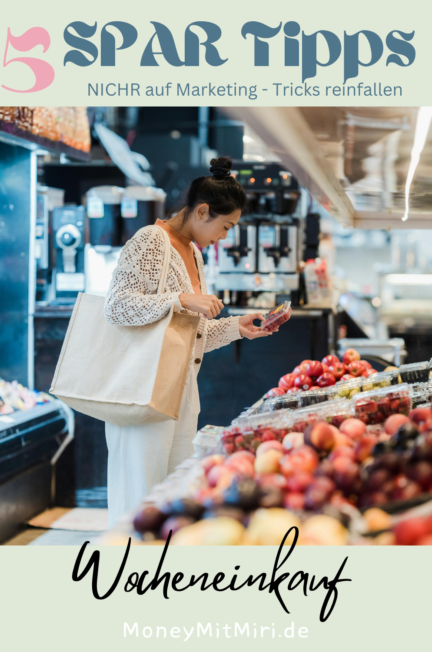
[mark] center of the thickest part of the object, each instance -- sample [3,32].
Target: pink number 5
[43,71]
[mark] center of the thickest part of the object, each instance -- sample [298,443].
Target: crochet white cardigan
[132,298]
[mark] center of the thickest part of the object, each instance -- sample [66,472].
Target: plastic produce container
[277,317]
[383,379]
[347,389]
[375,406]
[287,401]
[313,397]
[418,372]
[248,436]
[334,412]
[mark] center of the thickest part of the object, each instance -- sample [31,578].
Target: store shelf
[13,135]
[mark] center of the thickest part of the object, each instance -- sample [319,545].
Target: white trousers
[139,457]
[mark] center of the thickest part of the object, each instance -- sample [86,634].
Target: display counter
[31,441]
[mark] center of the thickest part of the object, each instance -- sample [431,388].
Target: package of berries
[249,437]
[313,397]
[277,317]
[333,412]
[383,379]
[418,372]
[347,389]
[285,402]
[375,406]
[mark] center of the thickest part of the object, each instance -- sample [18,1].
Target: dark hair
[221,192]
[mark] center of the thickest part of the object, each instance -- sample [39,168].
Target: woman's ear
[202,212]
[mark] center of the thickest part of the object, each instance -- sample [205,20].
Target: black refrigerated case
[30,442]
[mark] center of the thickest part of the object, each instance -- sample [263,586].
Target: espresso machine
[114,215]
[237,253]
[68,240]
[277,247]
[260,254]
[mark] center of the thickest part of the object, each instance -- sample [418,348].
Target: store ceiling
[354,160]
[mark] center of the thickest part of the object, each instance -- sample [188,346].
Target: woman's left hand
[247,328]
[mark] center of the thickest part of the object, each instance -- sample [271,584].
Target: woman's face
[207,230]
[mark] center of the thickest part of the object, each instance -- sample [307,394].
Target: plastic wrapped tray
[285,402]
[420,393]
[276,317]
[334,412]
[248,437]
[418,372]
[375,406]
[313,397]
[383,379]
[347,389]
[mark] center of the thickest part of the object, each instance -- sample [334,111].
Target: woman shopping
[141,456]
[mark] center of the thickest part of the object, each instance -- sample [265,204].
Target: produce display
[375,406]
[349,462]
[277,317]
[14,396]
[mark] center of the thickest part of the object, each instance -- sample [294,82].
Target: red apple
[275,391]
[313,388]
[220,474]
[367,364]
[326,380]
[347,377]
[301,368]
[368,372]
[304,459]
[286,382]
[212,460]
[364,447]
[240,465]
[320,436]
[346,474]
[353,428]
[342,441]
[271,481]
[350,355]
[393,423]
[408,531]
[356,368]
[268,445]
[303,382]
[299,481]
[293,390]
[337,370]
[294,501]
[313,369]
[426,540]
[342,451]
[329,360]
[420,415]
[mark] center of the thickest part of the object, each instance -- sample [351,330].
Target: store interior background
[382,277]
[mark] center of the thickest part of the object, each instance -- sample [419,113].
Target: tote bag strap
[166,261]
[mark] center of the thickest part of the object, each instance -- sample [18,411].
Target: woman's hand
[247,328]
[206,304]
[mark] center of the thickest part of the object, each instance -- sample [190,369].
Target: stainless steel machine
[237,254]
[261,253]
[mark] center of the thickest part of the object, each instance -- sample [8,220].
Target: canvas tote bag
[126,375]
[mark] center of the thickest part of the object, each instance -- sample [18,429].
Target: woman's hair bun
[221,167]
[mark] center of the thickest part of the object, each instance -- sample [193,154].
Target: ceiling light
[424,117]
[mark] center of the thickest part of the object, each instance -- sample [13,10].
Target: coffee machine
[237,253]
[277,247]
[260,254]
[115,215]
[68,240]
